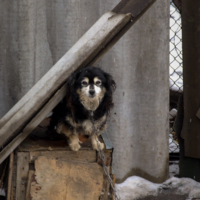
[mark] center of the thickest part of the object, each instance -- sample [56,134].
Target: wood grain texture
[9,189]
[66,180]
[135,7]
[80,156]
[22,175]
[31,175]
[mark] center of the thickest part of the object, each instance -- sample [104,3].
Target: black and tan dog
[88,90]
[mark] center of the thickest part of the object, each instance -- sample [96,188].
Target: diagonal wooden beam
[136,7]
[33,123]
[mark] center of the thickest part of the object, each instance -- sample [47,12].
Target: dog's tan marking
[96,79]
[86,80]
[86,127]
[95,142]
[62,128]
[71,121]
[72,135]
[74,142]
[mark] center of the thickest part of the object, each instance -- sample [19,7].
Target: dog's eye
[84,83]
[98,82]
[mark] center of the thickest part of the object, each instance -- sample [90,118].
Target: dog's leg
[73,137]
[95,143]
[74,142]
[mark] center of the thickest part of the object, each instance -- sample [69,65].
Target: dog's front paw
[97,146]
[74,146]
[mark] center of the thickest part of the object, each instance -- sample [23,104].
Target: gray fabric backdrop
[34,34]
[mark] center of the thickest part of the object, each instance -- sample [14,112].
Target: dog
[89,94]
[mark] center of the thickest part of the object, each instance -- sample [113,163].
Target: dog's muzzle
[92,93]
[91,90]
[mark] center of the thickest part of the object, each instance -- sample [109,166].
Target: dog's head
[91,86]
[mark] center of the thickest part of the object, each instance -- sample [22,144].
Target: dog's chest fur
[90,103]
[85,127]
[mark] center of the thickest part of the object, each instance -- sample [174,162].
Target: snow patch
[135,187]
[172,113]
[183,186]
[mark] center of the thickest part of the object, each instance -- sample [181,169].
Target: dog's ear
[110,87]
[70,89]
[71,80]
[110,83]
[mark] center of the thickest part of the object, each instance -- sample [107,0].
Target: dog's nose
[91,92]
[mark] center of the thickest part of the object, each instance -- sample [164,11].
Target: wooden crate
[49,170]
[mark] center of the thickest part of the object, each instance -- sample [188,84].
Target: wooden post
[9,189]
[191,84]
[28,187]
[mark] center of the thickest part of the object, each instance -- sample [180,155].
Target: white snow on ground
[172,113]
[183,186]
[173,168]
[135,187]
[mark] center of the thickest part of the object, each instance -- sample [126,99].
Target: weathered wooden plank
[113,179]
[14,178]
[22,174]
[135,7]
[42,145]
[28,188]
[106,186]
[88,47]
[3,173]
[80,156]
[9,189]
[66,180]
[33,124]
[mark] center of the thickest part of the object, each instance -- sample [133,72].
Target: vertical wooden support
[3,174]
[22,174]
[28,188]
[10,176]
[113,177]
